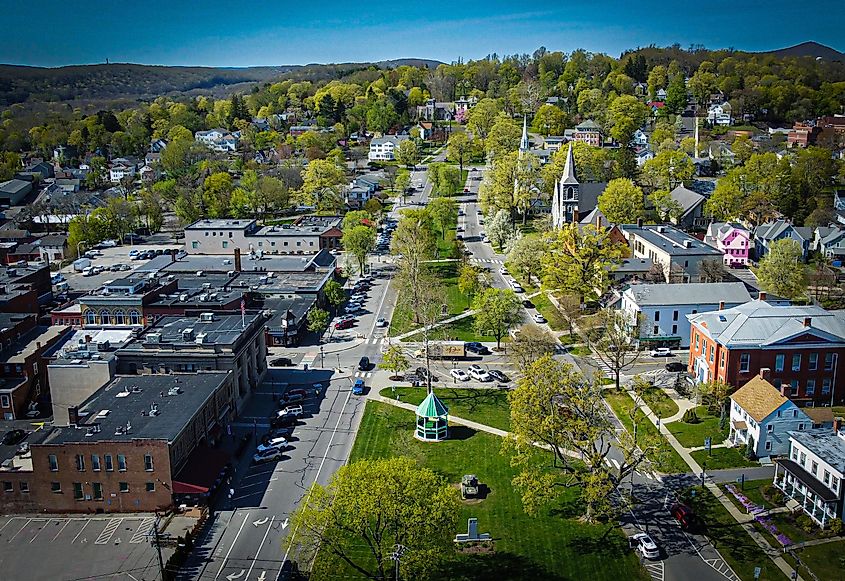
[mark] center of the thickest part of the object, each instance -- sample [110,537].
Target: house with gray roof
[829,241]
[766,234]
[13,192]
[691,207]
[679,254]
[661,309]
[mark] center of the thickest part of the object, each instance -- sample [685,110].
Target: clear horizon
[231,34]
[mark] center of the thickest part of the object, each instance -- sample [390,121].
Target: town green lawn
[556,321]
[485,406]
[580,351]
[826,560]
[723,458]
[552,546]
[665,460]
[735,545]
[661,404]
[456,301]
[692,435]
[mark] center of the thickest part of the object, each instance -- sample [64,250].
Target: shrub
[749,451]
[772,494]
[835,526]
[805,523]
[690,417]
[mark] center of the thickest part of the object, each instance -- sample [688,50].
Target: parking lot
[78,547]
[109,258]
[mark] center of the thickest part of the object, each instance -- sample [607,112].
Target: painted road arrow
[263,521]
[238,576]
[284,524]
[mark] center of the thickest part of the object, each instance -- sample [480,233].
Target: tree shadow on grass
[497,566]
[460,432]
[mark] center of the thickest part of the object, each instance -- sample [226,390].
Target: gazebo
[432,419]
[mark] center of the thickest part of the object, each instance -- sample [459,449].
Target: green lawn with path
[720,458]
[693,435]
[754,491]
[556,321]
[661,404]
[553,546]
[665,460]
[485,406]
[456,301]
[826,561]
[735,545]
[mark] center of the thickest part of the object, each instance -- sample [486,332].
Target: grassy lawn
[580,351]
[754,492]
[553,546]
[660,403]
[692,435]
[825,560]
[456,302]
[722,458]
[460,330]
[665,460]
[556,321]
[485,406]
[737,548]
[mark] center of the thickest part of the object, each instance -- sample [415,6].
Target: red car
[344,324]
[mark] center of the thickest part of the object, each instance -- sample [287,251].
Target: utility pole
[157,543]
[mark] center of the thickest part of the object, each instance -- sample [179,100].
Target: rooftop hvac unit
[183,297]
[206,285]
[207,317]
[203,297]
[200,338]
[173,391]
[187,334]
[200,273]
[154,409]
[154,338]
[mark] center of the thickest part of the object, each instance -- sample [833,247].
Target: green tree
[549,120]
[445,179]
[612,339]
[394,360]
[444,212]
[402,183]
[555,406]
[578,260]
[472,279]
[665,206]
[626,114]
[482,117]
[496,311]
[407,154]
[217,189]
[781,271]
[318,320]
[526,256]
[662,132]
[504,136]
[668,169]
[676,94]
[657,79]
[320,175]
[359,241]
[529,345]
[742,148]
[501,230]
[413,242]
[459,148]
[10,163]
[726,201]
[334,293]
[369,507]
[622,202]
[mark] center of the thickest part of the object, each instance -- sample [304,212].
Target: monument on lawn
[432,419]
[472,533]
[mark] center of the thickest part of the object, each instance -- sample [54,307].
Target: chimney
[785,389]
[639,222]
[73,415]
[721,305]
[87,338]
[766,373]
[237,259]
[807,321]
[762,295]
[837,425]
[575,216]
[173,257]
[598,221]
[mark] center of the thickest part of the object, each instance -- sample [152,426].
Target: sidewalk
[452,319]
[744,520]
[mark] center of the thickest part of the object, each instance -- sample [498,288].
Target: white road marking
[106,534]
[19,530]
[8,522]
[67,522]
[143,531]
[232,546]
[80,531]
[267,532]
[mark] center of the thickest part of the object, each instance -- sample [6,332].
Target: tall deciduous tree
[369,507]
[459,148]
[318,319]
[781,271]
[482,117]
[622,202]
[472,279]
[496,311]
[526,256]
[360,241]
[334,293]
[394,360]
[549,120]
[407,153]
[321,174]
[612,337]
[529,345]
[504,136]
[626,114]
[413,242]
[668,169]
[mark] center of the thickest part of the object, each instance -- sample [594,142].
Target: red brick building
[802,346]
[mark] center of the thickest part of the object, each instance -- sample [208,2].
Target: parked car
[107,244]
[277,443]
[281,362]
[504,271]
[358,387]
[381,322]
[539,318]
[293,396]
[13,437]
[57,278]
[499,376]
[527,304]
[267,456]
[134,254]
[479,374]
[423,373]
[459,374]
[285,433]
[646,546]
[293,411]
[116,267]
[676,366]
[476,347]
[661,352]
[352,309]
[344,324]
[286,421]
[364,364]
[684,515]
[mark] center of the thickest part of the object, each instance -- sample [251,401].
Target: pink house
[732,239]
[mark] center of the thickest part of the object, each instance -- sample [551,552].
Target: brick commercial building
[125,448]
[801,346]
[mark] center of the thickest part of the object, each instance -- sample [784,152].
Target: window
[195,244]
[5,401]
[768,445]
[794,387]
[696,341]
[814,467]
[24,486]
[674,315]
[826,477]
[54,463]
[225,244]
[826,386]
[97,487]
[796,362]
[794,454]
[105,317]
[770,428]
[121,462]
[803,459]
[134,317]
[674,329]
[90,318]
[77,491]
[124,487]
[56,487]
[148,462]
[108,462]
[712,354]
[8,486]
[80,462]
[722,360]
[801,427]
[779,359]
[744,362]
[656,330]
[151,486]
[95,462]
[829,358]
[814,361]
[656,316]
[811,387]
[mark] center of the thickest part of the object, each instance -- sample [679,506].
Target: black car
[291,398]
[364,364]
[277,433]
[13,437]
[527,304]
[477,348]
[676,366]
[498,376]
[286,421]
[281,362]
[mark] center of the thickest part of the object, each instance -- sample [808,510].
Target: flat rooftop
[221,223]
[126,402]
[671,240]
[220,330]
[225,263]
[65,349]
[29,343]
[689,293]
[281,282]
[825,443]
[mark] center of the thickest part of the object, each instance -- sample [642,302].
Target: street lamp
[77,246]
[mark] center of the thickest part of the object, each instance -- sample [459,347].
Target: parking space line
[67,522]
[143,530]
[80,531]
[106,535]
[19,530]
[8,522]
[39,531]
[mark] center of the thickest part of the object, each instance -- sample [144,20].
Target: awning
[808,480]
[185,488]
[661,338]
[739,425]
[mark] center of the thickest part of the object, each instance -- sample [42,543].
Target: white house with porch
[762,417]
[812,475]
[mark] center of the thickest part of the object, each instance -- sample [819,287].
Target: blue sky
[263,32]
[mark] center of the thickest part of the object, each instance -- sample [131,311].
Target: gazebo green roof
[432,407]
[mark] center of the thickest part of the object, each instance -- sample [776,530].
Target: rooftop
[225,263]
[825,443]
[210,330]
[222,223]
[689,294]
[671,240]
[92,340]
[141,407]
[30,343]
[760,323]
[759,398]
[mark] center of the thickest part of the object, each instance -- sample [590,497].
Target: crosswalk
[363,374]
[656,570]
[488,261]
[378,339]
[608,372]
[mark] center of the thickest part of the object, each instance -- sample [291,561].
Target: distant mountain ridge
[811,49]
